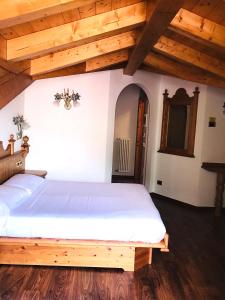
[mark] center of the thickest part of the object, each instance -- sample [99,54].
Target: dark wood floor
[194,268]
[123,179]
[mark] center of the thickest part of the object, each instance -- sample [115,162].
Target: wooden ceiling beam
[3,48]
[21,11]
[106,60]
[183,71]
[82,53]
[77,32]
[9,66]
[199,27]
[153,70]
[92,65]
[13,87]
[159,15]
[3,72]
[16,68]
[73,70]
[6,77]
[189,55]
[195,42]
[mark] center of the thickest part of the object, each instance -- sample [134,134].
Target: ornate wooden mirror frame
[179,111]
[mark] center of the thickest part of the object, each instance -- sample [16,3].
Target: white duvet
[4,214]
[94,211]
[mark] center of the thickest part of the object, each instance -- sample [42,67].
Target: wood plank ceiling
[41,39]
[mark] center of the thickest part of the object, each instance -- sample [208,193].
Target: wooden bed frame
[130,256]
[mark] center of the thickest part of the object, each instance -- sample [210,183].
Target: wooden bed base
[129,256]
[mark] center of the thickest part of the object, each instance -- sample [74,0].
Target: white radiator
[122,155]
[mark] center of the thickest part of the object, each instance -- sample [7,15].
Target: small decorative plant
[21,125]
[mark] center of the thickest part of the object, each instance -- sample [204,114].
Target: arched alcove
[130,135]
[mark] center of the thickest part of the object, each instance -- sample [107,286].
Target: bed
[45,222]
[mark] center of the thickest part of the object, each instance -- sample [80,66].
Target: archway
[130,135]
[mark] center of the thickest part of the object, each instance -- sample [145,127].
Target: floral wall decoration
[21,124]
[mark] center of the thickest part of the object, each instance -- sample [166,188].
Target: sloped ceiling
[41,39]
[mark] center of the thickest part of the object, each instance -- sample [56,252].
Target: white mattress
[93,211]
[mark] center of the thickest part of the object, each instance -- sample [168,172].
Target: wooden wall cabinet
[179,123]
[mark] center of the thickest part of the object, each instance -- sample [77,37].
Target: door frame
[141,138]
[147,97]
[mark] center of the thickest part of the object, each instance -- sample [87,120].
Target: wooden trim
[159,15]
[70,242]
[129,256]
[175,152]
[139,155]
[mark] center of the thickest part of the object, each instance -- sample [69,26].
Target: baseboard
[183,204]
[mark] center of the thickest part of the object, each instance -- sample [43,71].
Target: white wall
[183,178]
[150,84]
[126,121]
[78,144]
[7,113]
[86,132]
[213,147]
[69,144]
[179,174]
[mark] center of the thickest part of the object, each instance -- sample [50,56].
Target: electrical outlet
[159,182]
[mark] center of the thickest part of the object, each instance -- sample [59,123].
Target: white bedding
[95,211]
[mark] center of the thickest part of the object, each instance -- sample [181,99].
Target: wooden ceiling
[41,39]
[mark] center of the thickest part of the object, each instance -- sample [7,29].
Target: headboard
[11,163]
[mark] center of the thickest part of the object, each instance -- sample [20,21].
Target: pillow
[12,196]
[27,182]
